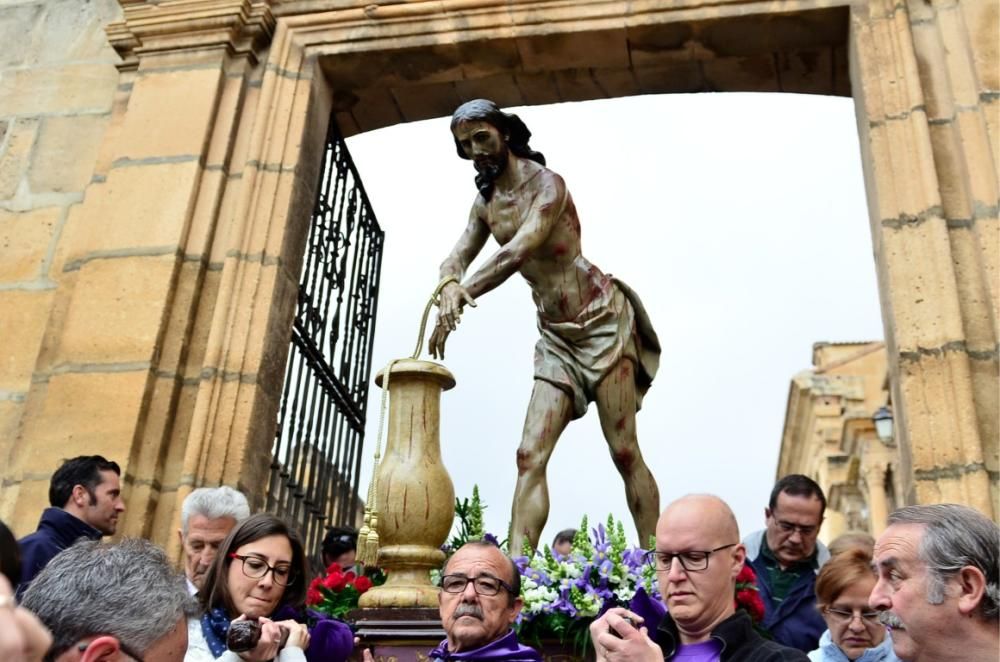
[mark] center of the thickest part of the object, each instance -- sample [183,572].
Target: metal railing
[321,422]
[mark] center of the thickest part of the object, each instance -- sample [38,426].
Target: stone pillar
[168,331]
[878,511]
[415,497]
[925,78]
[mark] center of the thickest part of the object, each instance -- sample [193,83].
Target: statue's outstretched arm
[453,296]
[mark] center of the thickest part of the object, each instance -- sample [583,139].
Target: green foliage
[469,519]
[581,541]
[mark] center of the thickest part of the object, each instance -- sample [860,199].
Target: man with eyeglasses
[697,559]
[480,599]
[786,556]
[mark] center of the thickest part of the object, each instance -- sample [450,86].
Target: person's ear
[180,536]
[767,514]
[102,649]
[516,608]
[79,496]
[739,557]
[972,587]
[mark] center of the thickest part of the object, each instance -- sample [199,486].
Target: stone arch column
[924,77]
[165,348]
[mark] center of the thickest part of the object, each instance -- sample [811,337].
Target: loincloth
[576,355]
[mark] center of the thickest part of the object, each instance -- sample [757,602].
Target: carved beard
[489,171]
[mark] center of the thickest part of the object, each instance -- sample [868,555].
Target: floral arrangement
[337,592]
[563,594]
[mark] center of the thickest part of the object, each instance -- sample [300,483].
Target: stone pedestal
[415,498]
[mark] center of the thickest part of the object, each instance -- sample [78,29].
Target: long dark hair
[215,592]
[508,124]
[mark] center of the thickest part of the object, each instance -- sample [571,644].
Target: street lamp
[883,425]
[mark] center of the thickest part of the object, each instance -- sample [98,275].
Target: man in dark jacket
[86,499]
[698,556]
[786,556]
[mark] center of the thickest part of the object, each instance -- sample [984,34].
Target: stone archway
[228,100]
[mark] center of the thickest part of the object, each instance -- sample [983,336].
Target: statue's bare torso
[562,280]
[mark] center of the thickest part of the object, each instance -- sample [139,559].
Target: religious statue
[597,342]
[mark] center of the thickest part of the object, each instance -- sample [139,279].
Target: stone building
[160,162]
[830,436]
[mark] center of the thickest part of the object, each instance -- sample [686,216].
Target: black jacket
[740,642]
[57,530]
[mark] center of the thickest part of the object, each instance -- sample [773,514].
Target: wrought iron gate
[320,434]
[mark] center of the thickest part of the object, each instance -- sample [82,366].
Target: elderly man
[698,556]
[938,583]
[479,601]
[597,343]
[786,556]
[208,514]
[112,603]
[86,498]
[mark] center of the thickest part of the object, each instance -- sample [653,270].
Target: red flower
[313,597]
[333,567]
[362,584]
[746,575]
[750,600]
[335,581]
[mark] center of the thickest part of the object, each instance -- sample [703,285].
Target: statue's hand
[450,303]
[438,338]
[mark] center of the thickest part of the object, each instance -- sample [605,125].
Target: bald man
[697,558]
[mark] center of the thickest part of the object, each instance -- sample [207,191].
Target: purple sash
[506,648]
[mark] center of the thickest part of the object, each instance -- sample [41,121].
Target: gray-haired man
[112,603]
[208,514]
[938,586]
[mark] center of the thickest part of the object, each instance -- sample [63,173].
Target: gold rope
[368,542]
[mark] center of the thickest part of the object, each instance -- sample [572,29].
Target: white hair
[214,503]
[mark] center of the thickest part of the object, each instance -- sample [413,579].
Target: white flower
[625,593]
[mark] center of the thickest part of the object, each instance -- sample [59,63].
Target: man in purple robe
[479,601]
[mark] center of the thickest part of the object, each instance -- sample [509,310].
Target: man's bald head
[698,556]
[703,511]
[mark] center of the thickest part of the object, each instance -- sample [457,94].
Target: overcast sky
[739,219]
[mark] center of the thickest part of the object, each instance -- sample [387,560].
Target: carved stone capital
[240,27]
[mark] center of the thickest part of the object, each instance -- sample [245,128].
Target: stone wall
[58,85]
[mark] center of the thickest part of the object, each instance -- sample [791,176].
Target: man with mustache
[939,584]
[786,556]
[479,601]
[596,344]
[697,558]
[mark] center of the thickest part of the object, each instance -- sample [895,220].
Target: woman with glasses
[260,573]
[854,631]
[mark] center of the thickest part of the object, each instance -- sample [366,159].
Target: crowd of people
[927,589]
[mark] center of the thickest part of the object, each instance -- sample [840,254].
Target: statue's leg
[616,408]
[548,413]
